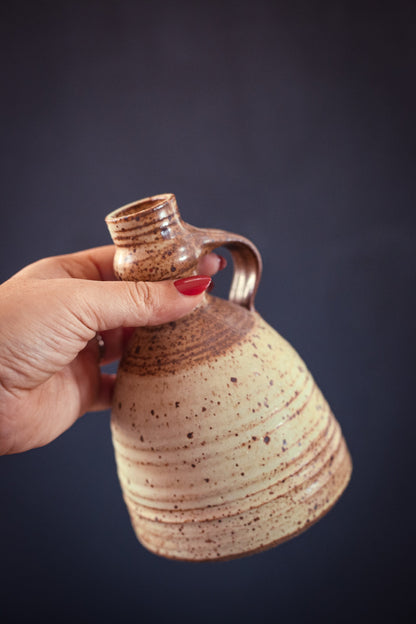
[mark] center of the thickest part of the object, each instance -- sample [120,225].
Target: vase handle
[246,260]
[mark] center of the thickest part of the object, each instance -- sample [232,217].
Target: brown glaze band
[167,349]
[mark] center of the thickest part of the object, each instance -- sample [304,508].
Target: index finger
[92,264]
[97,264]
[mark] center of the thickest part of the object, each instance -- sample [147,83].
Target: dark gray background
[291,123]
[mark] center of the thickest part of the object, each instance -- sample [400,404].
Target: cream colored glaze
[229,455]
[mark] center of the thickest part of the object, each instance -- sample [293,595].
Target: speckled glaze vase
[224,444]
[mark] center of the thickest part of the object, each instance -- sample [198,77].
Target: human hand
[50,314]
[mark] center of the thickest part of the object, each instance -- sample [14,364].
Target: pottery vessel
[224,444]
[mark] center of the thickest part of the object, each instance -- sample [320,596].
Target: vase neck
[152,241]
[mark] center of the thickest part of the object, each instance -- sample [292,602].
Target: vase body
[224,444]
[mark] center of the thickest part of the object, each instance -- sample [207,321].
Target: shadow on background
[291,124]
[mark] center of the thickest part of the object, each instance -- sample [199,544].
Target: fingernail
[194,285]
[223,262]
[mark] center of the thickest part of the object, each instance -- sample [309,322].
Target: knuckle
[145,299]
[42,263]
[44,266]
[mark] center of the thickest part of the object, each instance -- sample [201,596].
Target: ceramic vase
[224,444]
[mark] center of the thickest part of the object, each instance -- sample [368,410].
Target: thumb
[107,305]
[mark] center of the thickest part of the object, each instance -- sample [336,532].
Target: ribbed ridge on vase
[139,222]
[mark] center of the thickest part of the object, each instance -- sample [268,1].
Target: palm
[50,371]
[52,407]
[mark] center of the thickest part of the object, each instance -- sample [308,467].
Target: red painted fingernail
[194,285]
[223,262]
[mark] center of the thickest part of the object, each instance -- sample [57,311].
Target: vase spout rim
[133,210]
